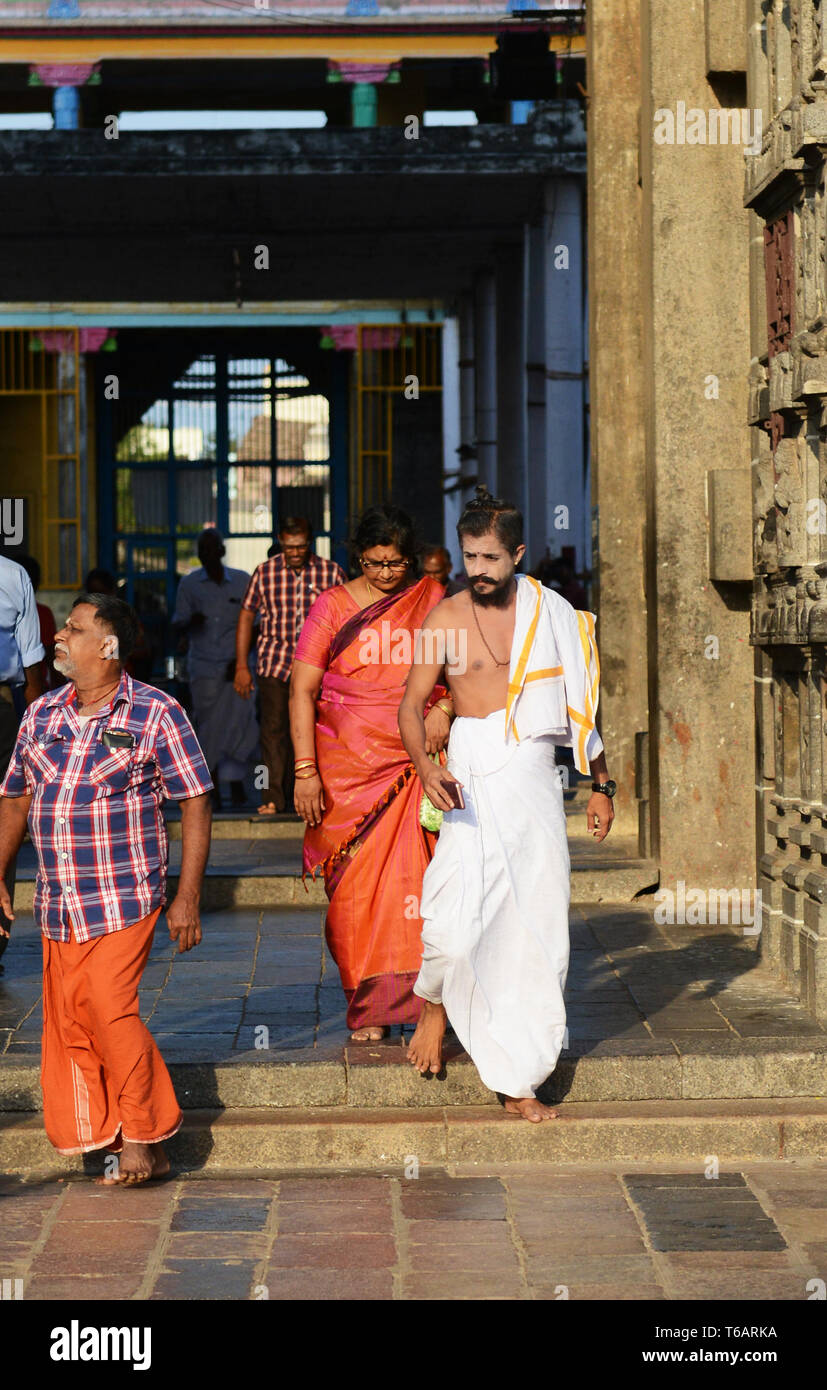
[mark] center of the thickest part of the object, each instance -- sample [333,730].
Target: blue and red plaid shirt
[283,598]
[95,818]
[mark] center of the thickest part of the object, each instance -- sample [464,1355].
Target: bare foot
[267,809]
[529,1108]
[425,1047]
[374,1033]
[138,1163]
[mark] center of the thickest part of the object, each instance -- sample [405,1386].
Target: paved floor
[630,980]
[755,1233]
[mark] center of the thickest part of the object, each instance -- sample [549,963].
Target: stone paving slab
[415,1234]
[629,983]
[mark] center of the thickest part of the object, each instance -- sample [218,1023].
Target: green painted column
[363,104]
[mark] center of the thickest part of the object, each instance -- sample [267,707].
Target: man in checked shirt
[282,591]
[91,765]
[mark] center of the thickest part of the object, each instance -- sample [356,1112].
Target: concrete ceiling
[344,213]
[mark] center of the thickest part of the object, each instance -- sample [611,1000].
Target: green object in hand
[430,816]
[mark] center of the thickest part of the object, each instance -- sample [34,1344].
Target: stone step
[248,825]
[266,1141]
[243,885]
[379,1077]
[594,879]
[242,825]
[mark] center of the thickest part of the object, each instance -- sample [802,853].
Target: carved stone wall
[785,186]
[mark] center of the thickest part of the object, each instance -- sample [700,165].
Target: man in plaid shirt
[281,592]
[90,768]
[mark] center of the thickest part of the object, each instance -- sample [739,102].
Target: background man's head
[97,638]
[99,581]
[436,562]
[210,548]
[32,568]
[490,534]
[295,537]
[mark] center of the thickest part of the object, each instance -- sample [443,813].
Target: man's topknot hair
[486,513]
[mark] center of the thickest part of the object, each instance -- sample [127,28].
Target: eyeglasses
[395,566]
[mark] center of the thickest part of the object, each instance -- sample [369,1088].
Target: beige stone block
[726,35]
[729,504]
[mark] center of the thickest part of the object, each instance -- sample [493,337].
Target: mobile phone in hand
[454,791]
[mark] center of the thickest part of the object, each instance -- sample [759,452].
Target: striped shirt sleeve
[181,763]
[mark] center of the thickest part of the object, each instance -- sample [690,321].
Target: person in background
[281,592]
[91,765]
[355,788]
[21,679]
[555,572]
[207,608]
[436,563]
[48,627]
[100,581]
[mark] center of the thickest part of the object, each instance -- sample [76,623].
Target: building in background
[262,261]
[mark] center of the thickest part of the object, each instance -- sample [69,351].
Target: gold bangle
[449,712]
[305,762]
[305,776]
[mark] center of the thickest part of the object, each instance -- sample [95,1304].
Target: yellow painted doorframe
[27,369]
[390,359]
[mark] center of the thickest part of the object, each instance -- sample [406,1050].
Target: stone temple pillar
[485,382]
[512,480]
[618,401]
[566,505]
[451,432]
[535,372]
[467,390]
[670,360]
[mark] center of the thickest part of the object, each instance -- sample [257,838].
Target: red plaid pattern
[283,597]
[95,818]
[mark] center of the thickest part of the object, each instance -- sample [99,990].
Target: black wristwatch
[607,788]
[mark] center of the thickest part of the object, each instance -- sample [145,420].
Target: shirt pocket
[43,758]
[111,770]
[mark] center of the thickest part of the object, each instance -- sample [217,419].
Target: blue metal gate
[234,441]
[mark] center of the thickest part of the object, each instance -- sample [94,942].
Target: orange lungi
[101,1071]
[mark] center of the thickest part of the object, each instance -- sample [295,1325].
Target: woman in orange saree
[355,784]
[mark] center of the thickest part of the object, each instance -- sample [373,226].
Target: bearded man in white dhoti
[523,670]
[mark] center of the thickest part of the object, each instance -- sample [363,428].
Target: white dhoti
[226,726]
[495,905]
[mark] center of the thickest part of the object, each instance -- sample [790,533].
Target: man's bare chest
[482,654]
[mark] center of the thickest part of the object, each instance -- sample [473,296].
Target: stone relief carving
[818,68]
[816,611]
[789,502]
[763,512]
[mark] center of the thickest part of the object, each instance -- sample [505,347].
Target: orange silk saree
[370,846]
